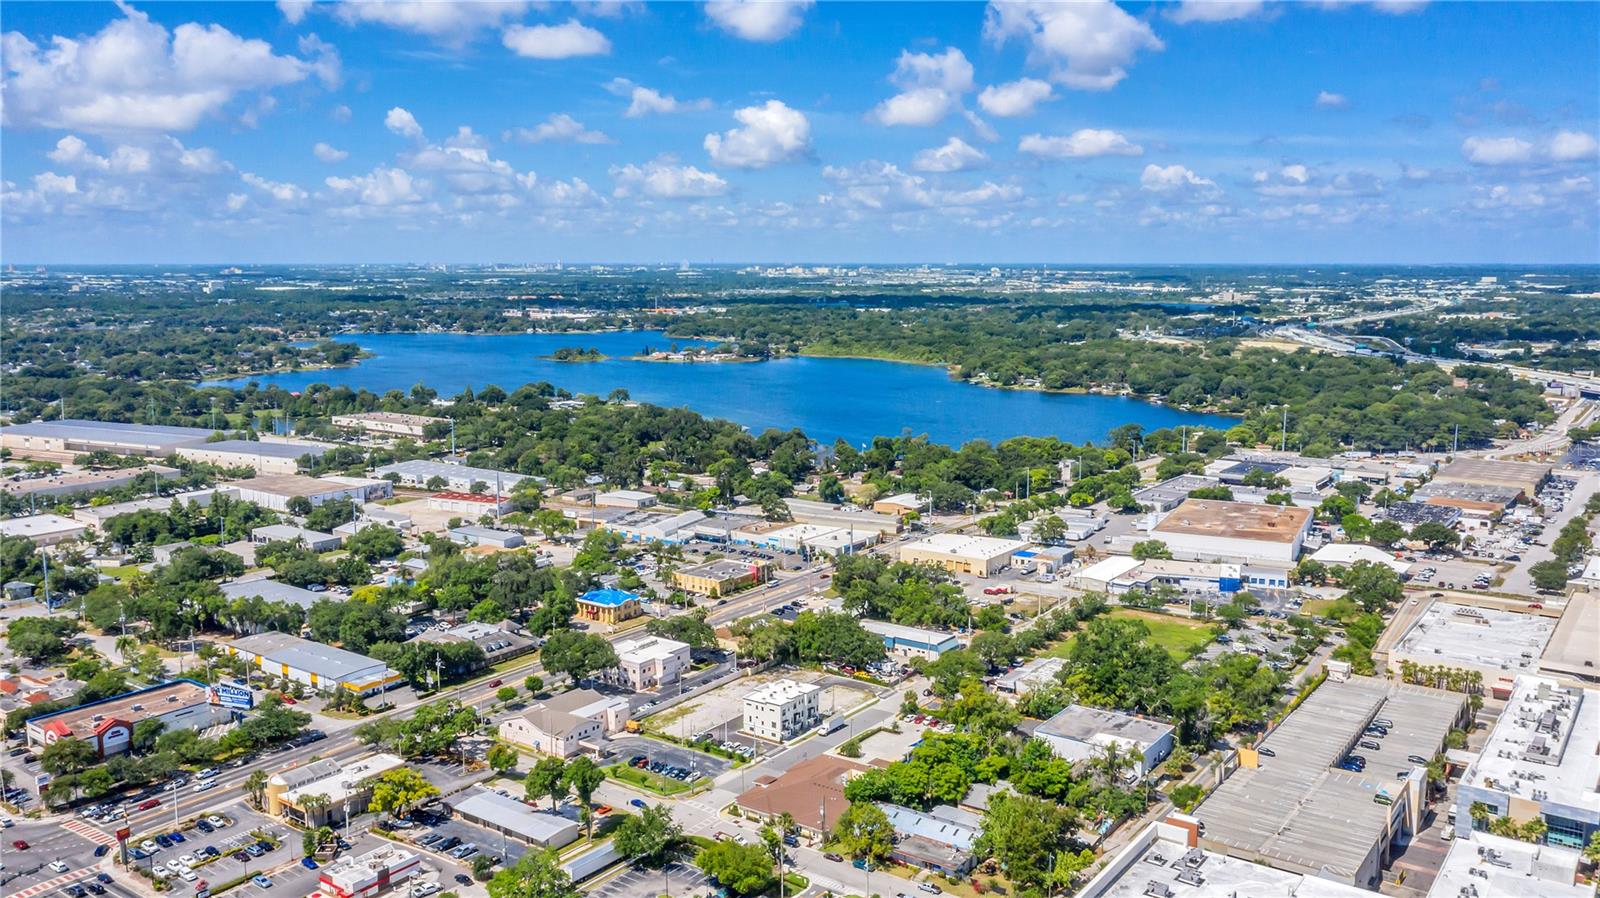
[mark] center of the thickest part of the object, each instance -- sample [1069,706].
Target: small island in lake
[576,354]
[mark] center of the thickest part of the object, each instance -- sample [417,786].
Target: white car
[6,822]
[187,875]
[149,846]
[59,866]
[216,821]
[424,889]
[188,860]
[201,787]
[174,867]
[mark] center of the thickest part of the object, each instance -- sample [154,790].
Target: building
[941,839]
[912,642]
[812,792]
[1410,514]
[108,724]
[1043,559]
[782,710]
[264,456]
[63,439]
[901,504]
[1569,656]
[1189,578]
[1036,674]
[97,515]
[470,505]
[652,661]
[315,540]
[78,482]
[720,528]
[568,723]
[275,491]
[847,517]
[1523,477]
[625,499]
[1539,763]
[438,475]
[345,785]
[1170,493]
[392,423]
[272,591]
[1487,865]
[721,577]
[641,526]
[1099,576]
[1290,807]
[608,606]
[980,556]
[367,875]
[314,664]
[497,643]
[1080,733]
[1346,554]
[1494,643]
[472,535]
[1209,529]
[43,529]
[511,817]
[1479,504]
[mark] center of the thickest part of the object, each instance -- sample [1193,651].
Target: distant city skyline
[1228,132]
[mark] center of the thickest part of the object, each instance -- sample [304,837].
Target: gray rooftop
[109,432]
[1082,723]
[325,661]
[422,470]
[263,448]
[271,591]
[1456,635]
[513,815]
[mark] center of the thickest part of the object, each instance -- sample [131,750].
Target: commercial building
[108,724]
[345,784]
[848,517]
[502,814]
[97,515]
[912,642]
[263,456]
[470,505]
[782,710]
[275,491]
[367,875]
[43,529]
[811,538]
[489,537]
[608,606]
[1042,559]
[1196,578]
[625,499]
[1036,674]
[1296,474]
[68,437]
[1290,807]
[315,540]
[1479,504]
[1209,529]
[566,724]
[77,482]
[314,664]
[721,577]
[1099,576]
[1492,866]
[497,643]
[1539,763]
[1523,477]
[652,661]
[900,504]
[392,423]
[438,475]
[720,528]
[980,556]
[1346,554]
[1410,514]
[271,591]
[811,792]
[1494,643]
[1080,733]
[1170,493]
[642,526]
[1570,655]
[940,839]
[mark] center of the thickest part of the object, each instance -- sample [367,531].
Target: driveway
[675,879]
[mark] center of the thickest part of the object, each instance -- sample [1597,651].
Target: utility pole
[1283,441]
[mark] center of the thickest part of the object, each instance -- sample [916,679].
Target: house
[652,662]
[941,839]
[608,606]
[567,723]
[811,792]
[1081,733]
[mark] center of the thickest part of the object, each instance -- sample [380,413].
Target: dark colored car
[100,850]
[464,879]
[95,887]
[103,877]
[308,863]
[204,826]
[19,844]
[833,856]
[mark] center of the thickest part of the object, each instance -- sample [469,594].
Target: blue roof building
[608,606]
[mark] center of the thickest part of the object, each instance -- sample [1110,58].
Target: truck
[831,725]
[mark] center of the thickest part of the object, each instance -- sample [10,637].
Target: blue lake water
[827,398]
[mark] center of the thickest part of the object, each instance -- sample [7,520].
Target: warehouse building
[1347,554]
[470,505]
[782,710]
[608,606]
[422,472]
[391,423]
[901,504]
[641,526]
[912,642]
[980,556]
[343,783]
[625,499]
[651,662]
[1099,576]
[1494,643]
[1170,493]
[1570,656]
[848,517]
[566,724]
[272,591]
[319,666]
[263,456]
[1036,674]
[1410,514]
[1479,504]
[1208,529]
[147,477]
[1540,763]
[43,529]
[108,724]
[274,491]
[315,540]
[1079,733]
[488,537]
[502,814]
[721,577]
[1523,477]
[97,515]
[62,440]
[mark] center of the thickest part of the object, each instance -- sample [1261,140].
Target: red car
[287,699]
[1535,604]
[495,683]
[149,803]
[20,845]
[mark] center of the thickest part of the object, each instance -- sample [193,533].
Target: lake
[827,398]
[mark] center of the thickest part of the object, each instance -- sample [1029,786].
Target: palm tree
[256,785]
[126,645]
[312,804]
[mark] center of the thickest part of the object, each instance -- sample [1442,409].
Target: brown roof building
[812,792]
[1211,529]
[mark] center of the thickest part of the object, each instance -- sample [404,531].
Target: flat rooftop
[271,591]
[966,546]
[721,569]
[1082,723]
[130,706]
[423,469]
[348,781]
[1544,741]
[39,525]
[1454,635]
[289,485]
[1236,520]
[780,692]
[1463,491]
[1504,473]
[1301,813]
[1495,867]
[1167,869]
[907,634]
[263,448]
[513,815]
[1571,649]
[651,648]
[84,481]
[107,432]
[393,418]
[325,661]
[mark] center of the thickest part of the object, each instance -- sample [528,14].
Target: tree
[1386,533]
[1144,550]
[505,694]
[742,869]
[1436,535]
[373,542]
[578,655]
[650,837]
[547,778]
[256,785]
[689,628]
[864,830]
[1549,576]
[534,685]
[1023,832]
[502,757]
[1186,796]
[313,804]
[1372,586]
[400,790]
[537,874]
[583,776]
[66,757]
[1050,529]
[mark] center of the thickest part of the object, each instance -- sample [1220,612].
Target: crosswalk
[92,833]
[42,887]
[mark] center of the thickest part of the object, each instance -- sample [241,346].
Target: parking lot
[627,747]
[675,879]
[487,842]
[721,710]
[226,853]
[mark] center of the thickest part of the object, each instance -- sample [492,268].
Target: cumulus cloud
[1081,144]
[662,179]
[559,127]
[1085,45]
[643,101]
[447,22]
[1330,100]
[1496,150]
[931,87]
[294,11]
[1170,179]
[758,20]
[384,187]
[1016,98]
[883,187]
[403,123]
[769,134]
[282,191]
[955,155]
[328,153]
[569,39]
[134,75]
[1300,181]
[1216,10]
[1571,146]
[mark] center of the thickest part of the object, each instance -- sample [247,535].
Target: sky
[1228,131]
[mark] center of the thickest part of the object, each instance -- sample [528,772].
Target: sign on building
[230,696]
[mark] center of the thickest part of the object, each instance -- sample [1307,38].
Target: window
[1564,831]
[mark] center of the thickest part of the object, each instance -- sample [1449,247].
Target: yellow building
[608,606]
[721,577]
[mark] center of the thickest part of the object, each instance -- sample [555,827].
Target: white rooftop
[966,546]
[1161,868]
[1495,867]
[347,782]
[908,634]
[647,649]
[781,692]
[1108,569]
[39,525]
[1454,635]
[1544,742]
[1350,553]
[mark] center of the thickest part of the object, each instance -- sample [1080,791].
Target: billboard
[231,696]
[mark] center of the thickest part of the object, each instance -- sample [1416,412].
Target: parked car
[261,881]
[308,863]
[833,856]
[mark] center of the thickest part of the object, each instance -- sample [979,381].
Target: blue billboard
[230,696]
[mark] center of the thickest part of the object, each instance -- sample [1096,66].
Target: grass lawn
[122,573]
[644,779]
[1175,634]
[1317,607]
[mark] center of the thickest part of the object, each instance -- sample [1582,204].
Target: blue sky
[795,131]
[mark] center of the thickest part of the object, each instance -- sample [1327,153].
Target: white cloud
[1216,10]
[1330,100]
[383,187]
[134,75]
[1085,45]
[1297,173]
[328,153]
[442,21]
[644,101]
[403,123]
[771,133]
[1172,178]
[881,187]
[281,191]
[49,182]
[931,87]
[758,20]
[1082,144]
[559,127]
[662,179]
[569,39]
[955,155]
[1571,146]
[919,108]
[1016,98]
[294,11]
[1496,150]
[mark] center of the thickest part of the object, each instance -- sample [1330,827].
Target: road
[1519,581]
